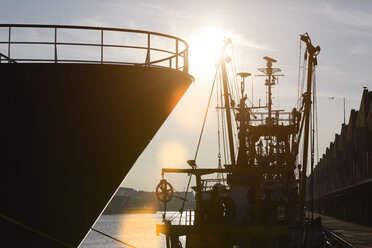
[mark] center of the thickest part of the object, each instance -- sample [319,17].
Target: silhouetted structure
[343,176]
[127,200]
[73,124]
[254,199]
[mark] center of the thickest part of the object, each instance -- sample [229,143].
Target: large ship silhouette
[73,123]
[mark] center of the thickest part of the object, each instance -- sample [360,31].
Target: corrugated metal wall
[343,176]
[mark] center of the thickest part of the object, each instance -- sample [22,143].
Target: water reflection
[135,229]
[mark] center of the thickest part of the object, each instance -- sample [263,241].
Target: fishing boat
[255,196]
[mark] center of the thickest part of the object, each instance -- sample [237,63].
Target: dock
[357,235]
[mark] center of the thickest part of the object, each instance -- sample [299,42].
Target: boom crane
[312,53]
[227,105]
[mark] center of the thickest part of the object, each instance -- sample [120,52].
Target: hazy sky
[343,29]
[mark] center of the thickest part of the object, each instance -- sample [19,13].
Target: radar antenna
[271,76]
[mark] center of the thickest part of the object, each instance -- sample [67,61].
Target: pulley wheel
[164,191]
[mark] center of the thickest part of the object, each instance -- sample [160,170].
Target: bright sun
[205,48]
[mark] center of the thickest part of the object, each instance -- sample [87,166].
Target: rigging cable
[316,116]
[185,198]
[313,128]
[311,120]
[118,240]
[300,108]
[301,89]
[317,137]
[42,234]
[199,141]
[301,104]
[223,117]
[219,175]
[234,70]
[234,66]
[299,75]
[304,68]
[233,80]
[234,92]
[205,117]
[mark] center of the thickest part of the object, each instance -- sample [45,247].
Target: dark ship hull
[70,133]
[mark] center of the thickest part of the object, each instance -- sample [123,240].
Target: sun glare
[206,47]
[139,230]
[172,154]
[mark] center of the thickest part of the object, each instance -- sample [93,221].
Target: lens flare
[139,230]
[172,154]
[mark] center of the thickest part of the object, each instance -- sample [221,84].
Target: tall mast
[227,105]
[269,71]
[243,119]
[312,53]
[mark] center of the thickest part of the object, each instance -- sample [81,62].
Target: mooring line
[118,240]
[35,231]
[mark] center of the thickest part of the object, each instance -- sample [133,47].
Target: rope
[104,234]
[173,216]
[184,200]
[205,117]
[36,231]
[199,141]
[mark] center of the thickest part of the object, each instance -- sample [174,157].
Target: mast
[227,107]
[269,71]
[243,118]
[312,53]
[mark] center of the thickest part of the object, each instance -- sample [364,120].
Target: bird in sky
[330,98]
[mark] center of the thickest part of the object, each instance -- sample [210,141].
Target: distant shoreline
[128,200]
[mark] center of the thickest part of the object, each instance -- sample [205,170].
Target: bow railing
[28,43]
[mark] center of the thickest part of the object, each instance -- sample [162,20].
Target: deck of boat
[358,236]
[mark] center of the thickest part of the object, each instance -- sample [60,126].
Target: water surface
[138,230]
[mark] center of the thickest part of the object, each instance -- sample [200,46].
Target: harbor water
[138,230]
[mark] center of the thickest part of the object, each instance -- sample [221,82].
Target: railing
[7,59]
[111,46]
[207,184]
[188,218]
[335,241]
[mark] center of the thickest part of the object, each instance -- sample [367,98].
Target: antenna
[344,112]
[268,59]
[243,75]
[269,72]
